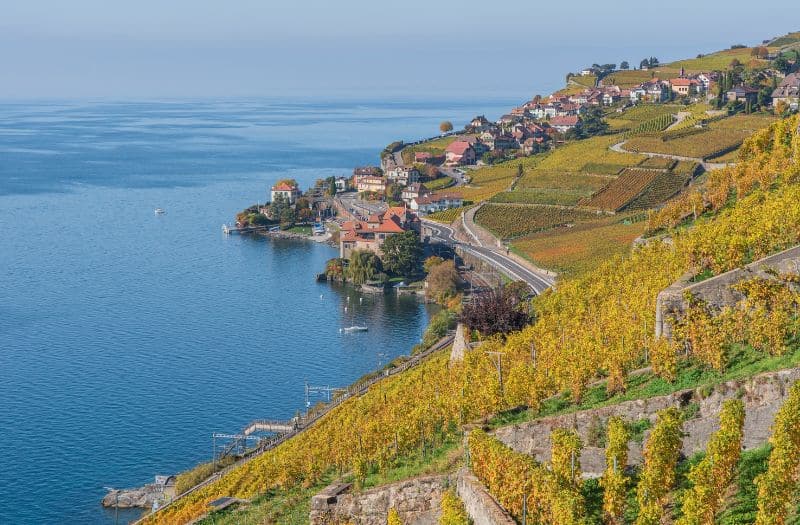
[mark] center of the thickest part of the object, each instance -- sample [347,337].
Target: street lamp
[116,504]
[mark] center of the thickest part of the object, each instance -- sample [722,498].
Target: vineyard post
[524,509]
[499,366]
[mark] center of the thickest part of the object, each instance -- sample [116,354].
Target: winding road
[511,268]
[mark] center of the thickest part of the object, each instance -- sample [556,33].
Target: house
[422,157]
[371,233]
[412,191]
[742,94]
[706,79]
[362,171]
[402,175]
[684,86]
[286,190]
[436,202]
[341,184]
[610,98]
[371,183]
[656,91]
[565,123]
[788,91]
[459,153]
[479,123]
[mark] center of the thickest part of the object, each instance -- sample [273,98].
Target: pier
[229,230]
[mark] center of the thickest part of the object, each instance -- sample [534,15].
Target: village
[415,179]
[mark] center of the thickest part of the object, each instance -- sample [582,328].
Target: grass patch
[439,183]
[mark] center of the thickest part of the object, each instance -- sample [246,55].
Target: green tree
[624,65]
[402,253]
[364,266]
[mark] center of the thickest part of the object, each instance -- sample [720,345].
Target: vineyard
[703,145]
[719,61]
[596,325]
[439,183]
[573,251]
[553,196]
[622,190]
[665,186]
[555,495]
[658,163]
[651,127]
[509,221]
[486,182]
[447,216]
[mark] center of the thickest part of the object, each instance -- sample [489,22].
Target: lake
[127,338]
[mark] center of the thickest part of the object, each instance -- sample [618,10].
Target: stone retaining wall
[480,505]
[717,291]
[417,500]
[762,396]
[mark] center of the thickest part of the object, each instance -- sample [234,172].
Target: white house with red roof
[286,190]
[459,153]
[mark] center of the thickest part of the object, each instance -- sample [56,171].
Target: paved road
[445,234]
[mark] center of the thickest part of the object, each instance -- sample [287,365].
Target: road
[445,234]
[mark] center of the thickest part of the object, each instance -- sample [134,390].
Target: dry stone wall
[762,396]
[717,291]
[480,505]
[417,501]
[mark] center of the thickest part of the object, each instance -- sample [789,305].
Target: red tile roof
[458,147]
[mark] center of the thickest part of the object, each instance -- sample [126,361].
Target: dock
[229,230]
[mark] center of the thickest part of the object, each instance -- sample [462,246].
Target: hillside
[592,343]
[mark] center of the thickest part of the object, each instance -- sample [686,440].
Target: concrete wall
[480,505]
[417,500]
[717,291]
[762,395]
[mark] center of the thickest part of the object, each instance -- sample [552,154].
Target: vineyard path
[708,166]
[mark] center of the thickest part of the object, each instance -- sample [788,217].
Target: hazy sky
[197,48]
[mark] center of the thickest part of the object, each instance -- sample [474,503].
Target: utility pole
[499,364]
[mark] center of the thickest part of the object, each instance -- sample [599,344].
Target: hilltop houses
[373,232]
[370,183]
[565,123]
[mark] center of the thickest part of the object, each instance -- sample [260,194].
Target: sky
[350,48]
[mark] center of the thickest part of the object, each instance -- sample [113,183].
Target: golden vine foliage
[769,313]
[565,457]
[713,475]
[777,485]
[393,518]
[614,480]
[661,453]
[453,512]
[599,325]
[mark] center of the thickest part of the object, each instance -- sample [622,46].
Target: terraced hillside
[622,190]
[507,221]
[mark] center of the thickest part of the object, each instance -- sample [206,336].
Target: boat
[351,329]
[160,211]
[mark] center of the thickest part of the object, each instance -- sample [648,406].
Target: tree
[431,262]
[364,266]
[782,64]
[497,311]
[644,64]
[393,192]
[624,65]
[446,126]
[592,123]
[402,253]
[442,281]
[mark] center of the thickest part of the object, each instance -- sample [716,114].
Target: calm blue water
[127,338]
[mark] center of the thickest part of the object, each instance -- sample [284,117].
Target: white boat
[160,211]
[350,329]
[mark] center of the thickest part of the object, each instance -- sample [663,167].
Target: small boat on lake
[160,211]
[351,329]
